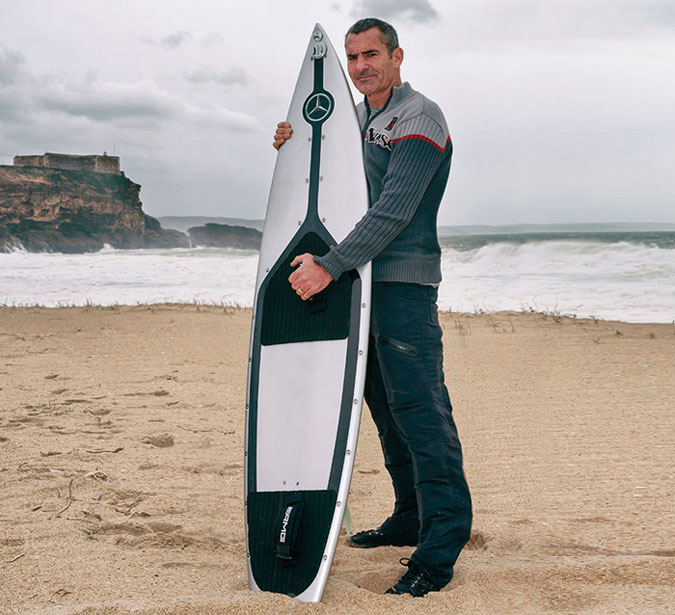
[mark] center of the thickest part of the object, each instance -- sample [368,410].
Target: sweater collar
[398,93]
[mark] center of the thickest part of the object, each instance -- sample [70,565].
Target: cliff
[225,236]
[60,210]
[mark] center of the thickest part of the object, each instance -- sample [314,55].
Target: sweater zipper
[372,117]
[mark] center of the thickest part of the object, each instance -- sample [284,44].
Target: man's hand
[283,133]
[310,278]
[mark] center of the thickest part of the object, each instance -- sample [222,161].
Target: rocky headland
[46,209]
[213,235]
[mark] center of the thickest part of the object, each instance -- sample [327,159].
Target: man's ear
[397,55]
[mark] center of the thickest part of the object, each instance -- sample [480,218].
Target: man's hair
[389,36]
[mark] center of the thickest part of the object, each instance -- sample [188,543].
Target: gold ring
[300,291]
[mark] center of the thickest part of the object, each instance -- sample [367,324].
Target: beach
[121,467]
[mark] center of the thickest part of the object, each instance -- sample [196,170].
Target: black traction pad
[286,318]
[271,573]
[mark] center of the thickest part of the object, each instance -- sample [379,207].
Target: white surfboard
[307,359]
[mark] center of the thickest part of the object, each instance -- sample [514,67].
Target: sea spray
[625,279]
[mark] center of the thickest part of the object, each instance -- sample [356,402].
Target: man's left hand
[310,278]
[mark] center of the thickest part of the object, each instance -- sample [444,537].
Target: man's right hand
[283,133]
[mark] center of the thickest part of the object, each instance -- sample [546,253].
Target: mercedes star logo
[318,107]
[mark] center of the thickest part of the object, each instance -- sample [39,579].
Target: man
[407,152]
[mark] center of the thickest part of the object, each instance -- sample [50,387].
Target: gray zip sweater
[406,152]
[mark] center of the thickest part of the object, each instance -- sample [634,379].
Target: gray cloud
[172,41]
[229,76]
[15,81]
[10,65]
[419,11]
[26,98]
[176,39]
[105,101]
[140,105]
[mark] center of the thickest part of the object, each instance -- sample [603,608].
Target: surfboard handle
[287,531]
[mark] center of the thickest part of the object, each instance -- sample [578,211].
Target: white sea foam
[129,277]
[623,281]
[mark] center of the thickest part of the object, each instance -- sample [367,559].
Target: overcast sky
[559,110]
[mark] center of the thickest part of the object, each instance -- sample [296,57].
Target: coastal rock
[71,211]
[213,235]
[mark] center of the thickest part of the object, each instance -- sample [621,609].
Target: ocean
[628,276]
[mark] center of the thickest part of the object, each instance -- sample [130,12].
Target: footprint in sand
[162,440]
[477,541]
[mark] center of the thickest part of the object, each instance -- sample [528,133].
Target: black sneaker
[414,582]
[377,538]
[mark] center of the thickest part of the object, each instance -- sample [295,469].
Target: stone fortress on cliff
[92,162]
[79,203]
[73,203]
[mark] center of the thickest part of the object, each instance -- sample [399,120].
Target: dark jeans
[409,403]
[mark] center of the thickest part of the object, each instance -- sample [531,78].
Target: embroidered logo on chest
[379,138]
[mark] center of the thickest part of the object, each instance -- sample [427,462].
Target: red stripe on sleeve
[423,138]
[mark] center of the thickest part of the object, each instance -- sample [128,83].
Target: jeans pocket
[406,349]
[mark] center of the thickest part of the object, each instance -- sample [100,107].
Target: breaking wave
[622,280]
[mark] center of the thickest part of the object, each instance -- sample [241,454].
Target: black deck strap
[287,529]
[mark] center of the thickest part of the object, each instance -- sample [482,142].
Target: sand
[121,474]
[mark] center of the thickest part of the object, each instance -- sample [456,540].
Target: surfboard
[307,359]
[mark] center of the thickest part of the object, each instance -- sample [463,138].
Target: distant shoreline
[182,223]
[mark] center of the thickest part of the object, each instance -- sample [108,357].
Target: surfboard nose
[319,42]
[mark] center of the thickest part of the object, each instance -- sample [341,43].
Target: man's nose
[361,64]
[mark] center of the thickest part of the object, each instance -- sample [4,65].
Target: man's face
[371,68]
